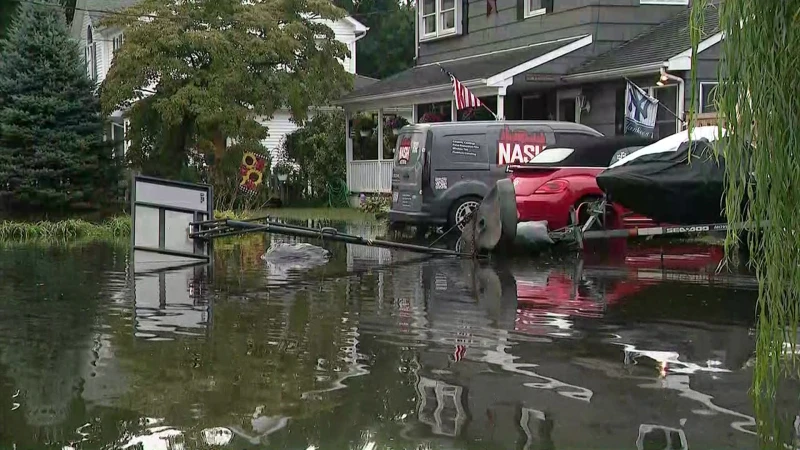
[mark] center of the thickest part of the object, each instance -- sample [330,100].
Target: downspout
[416,33]
[681,94]
[359,36]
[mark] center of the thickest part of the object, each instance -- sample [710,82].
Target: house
[100,43]
[547,59]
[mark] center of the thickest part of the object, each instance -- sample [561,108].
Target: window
[666,122]
[116,43]
[534,8]
[708,97]
[439,18]
[90,53]
[118,137]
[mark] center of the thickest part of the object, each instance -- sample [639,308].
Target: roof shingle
[465,69]
[655,45]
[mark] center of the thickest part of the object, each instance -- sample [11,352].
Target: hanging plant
[363,125]
[429,117]
[396,123]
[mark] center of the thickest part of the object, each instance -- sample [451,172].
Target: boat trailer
[494,226]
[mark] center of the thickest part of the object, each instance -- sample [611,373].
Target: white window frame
[438,14]
[714,84]
[530,12]
[664,2]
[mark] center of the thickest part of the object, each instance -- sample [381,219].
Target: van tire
[459,209]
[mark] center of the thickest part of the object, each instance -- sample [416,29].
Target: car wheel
[462,208]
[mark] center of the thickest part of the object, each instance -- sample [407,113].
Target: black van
[443,170]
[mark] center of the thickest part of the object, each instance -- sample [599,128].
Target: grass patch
[120,226]
[65,230]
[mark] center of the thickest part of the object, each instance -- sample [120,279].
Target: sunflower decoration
[251,172]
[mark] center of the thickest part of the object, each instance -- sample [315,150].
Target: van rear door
[407,172]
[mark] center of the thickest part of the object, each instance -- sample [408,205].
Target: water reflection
[649,349]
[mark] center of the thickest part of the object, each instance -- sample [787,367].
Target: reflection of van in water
[443,170]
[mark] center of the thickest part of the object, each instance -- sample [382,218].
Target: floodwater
[648,349]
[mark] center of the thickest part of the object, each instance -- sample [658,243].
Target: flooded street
[633,351]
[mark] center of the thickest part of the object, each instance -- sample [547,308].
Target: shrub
[319,150]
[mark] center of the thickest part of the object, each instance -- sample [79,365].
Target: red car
[559,179]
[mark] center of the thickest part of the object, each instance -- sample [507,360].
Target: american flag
[464,98]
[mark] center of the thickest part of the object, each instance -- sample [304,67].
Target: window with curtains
[708,97]
[532,8]
[439,18]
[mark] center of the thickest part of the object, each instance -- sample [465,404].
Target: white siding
[344,33]
[278,127]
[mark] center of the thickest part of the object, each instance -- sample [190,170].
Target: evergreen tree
[52,152]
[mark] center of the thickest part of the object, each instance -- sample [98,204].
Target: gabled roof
[656,45]
[357,26]
[360,81]
[466,69]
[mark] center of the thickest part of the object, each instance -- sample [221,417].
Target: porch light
[664,78]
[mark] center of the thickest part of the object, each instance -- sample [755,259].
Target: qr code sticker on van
[440,183]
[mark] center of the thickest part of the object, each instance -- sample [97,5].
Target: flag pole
[452,78]
[659,103]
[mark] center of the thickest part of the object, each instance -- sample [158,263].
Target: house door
[535,107]
[568,106]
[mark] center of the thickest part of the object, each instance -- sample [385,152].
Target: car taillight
[553,187]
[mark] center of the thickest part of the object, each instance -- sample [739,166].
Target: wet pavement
[645,348]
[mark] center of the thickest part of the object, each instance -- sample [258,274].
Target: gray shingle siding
[611,22]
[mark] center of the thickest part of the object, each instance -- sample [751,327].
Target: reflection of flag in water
[251,172]
[640,111]
[458,353]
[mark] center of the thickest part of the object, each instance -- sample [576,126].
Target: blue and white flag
[640,111]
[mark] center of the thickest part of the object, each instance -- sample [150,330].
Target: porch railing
[371,177]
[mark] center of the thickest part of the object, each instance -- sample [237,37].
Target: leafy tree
[388,48]
[758,106]
[319,148]
[211,68]
[52,152]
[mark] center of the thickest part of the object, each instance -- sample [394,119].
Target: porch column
[414,118]
[348,147]
[380,149]
[453,111]
[501,103]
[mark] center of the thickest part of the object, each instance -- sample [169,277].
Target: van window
[409,148]
[572,140]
